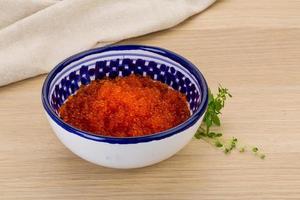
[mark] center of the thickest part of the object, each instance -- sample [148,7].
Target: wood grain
[251,47]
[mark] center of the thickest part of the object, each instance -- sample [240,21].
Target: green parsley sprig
[212,119]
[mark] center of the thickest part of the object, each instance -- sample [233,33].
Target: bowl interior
[159,64]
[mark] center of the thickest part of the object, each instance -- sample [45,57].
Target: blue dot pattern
[124,67]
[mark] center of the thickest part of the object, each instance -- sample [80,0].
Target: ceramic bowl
[112,61]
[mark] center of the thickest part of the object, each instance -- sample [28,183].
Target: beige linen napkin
[37,34]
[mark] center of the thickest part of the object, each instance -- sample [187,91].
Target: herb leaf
[255,149]
[212,117]
[216,119]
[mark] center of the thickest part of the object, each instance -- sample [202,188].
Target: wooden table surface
[251,47]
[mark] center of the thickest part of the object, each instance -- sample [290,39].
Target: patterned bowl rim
[128,140]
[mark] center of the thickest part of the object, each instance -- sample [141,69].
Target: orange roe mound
[125,107]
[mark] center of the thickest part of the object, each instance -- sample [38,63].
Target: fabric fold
[14,10]
[36,43]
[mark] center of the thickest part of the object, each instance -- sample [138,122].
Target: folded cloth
[37,34]
[14,10]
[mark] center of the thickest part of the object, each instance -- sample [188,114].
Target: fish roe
[125,107]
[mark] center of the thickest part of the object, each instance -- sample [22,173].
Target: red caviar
[125,107]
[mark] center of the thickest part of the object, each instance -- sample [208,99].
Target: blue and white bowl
[112,61]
